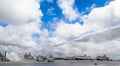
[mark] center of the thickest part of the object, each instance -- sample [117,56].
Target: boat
[41,58]
[69,58]
[50,59]
[102,58]
[83,57]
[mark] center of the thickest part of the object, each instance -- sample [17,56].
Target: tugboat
[50,58]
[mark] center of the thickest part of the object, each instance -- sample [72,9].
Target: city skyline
[60,27]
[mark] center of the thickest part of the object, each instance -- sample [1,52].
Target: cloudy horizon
[60,27]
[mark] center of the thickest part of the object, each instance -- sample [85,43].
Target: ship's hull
[50,59]
[82,58]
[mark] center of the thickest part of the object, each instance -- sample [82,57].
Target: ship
[50,59]
[102,58]
[85,57]
[69,58]
[41,58]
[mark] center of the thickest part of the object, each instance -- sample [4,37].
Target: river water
[63,63]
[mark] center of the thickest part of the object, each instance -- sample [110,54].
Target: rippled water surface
[63,63]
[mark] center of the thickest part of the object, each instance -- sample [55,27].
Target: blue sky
[83,4]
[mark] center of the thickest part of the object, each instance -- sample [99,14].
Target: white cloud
[19,35]
[19,11]
[104,16]
[69,31]
[68,9]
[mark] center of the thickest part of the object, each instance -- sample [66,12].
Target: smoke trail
[89,34]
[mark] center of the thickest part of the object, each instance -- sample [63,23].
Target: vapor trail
[89,34]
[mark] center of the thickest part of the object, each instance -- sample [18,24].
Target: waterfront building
[102,58]
[3,57]
[28,56]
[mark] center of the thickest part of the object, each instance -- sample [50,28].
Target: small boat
[95,64]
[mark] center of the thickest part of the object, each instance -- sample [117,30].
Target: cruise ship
[102,58]
[83,57]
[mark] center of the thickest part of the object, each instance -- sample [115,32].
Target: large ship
[102,58]
[83,57]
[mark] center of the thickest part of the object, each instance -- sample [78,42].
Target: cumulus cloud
[19,11]
[22,18]
[69,31]
[104,16]
[68,9]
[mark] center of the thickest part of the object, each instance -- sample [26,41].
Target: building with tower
[28,56]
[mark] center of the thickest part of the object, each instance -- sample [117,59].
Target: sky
[45,27]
